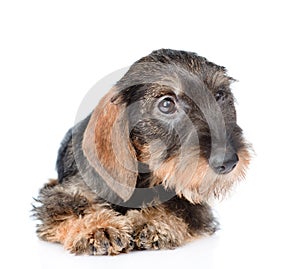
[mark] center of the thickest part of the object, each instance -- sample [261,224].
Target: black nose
[223,163]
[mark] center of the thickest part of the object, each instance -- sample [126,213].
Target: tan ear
[107,147]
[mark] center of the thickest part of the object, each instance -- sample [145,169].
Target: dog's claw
[104,242]
[148,237]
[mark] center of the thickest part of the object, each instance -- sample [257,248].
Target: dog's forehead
[172,63]
[186,74]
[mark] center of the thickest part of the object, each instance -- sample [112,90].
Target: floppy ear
[107,146]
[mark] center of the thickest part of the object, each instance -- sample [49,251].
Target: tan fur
[218,79]
[73,213]
[143,151]
[195,180]
[100,231]
[51,183]
[157,228]
[113,158]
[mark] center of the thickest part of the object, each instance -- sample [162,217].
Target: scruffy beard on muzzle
[194,180]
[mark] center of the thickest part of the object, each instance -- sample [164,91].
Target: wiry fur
[130,177]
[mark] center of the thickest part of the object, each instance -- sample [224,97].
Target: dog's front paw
[103,241]
[150,236]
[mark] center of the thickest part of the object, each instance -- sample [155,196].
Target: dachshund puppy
[140,170]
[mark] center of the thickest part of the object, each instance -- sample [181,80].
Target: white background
[53,52]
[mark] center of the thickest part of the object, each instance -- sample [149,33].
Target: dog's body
[138,172]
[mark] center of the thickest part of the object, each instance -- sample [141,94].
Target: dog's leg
[82,225]
[162,227]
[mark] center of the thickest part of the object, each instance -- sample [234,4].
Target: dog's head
[173,112]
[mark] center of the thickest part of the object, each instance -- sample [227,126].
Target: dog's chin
[197,182]
[211,186]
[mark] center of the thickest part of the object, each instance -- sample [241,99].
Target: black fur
[146,124]
[145,133]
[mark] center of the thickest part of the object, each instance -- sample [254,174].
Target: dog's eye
[167,105]
[220,96]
